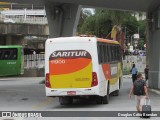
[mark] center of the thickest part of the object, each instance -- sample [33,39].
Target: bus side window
[104,54]
[6,55]
[112,53]
[14,54]
[108,53]
[1,51]
[99,53]
[116,53]
[119,53]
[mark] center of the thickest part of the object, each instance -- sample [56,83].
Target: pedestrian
[139,89]
[134,72]
[146,71]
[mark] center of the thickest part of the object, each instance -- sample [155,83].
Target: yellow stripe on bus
[115,80]
[79,79]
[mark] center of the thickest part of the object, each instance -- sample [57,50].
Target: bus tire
[99,100]
[119,83]
[65,100]
[116,93]
[106,97]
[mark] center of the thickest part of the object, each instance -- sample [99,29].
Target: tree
[103,21]
[83,15]
[98,24]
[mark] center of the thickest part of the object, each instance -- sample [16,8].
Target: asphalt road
[27,94]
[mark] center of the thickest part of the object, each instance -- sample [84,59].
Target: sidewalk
[152,90]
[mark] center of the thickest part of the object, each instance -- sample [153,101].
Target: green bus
[11,60]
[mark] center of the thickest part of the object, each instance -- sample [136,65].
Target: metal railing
[29,19]
[34,61]
[23,19]
[24,12]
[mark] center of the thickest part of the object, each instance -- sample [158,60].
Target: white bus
[82,67]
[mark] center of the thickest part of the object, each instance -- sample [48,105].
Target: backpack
[138,87]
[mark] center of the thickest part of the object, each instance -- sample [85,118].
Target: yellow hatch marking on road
[43,103]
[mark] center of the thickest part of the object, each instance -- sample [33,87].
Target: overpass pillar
[153,48]
[62,18]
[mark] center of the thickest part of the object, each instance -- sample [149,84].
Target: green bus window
[1,54]
[99,57]
[8,54]
[14,54]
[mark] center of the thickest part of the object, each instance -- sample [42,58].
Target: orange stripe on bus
[106,71]
[107,41]
[70,66]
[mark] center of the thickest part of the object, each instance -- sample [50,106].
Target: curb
[127,77]
[42,82]
[154,91]
[130,76]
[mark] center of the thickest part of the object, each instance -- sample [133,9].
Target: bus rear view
[68,69]
[87,67]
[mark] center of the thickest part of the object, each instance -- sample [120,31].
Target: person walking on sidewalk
[134,72]
[139,89]
[146,71]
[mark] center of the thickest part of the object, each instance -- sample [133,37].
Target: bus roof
[81,39]
[11,46]
[107,41]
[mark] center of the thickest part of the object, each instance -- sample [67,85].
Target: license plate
[71,92]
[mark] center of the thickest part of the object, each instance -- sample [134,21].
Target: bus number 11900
[58,61]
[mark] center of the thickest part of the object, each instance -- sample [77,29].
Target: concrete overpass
[63,16]
[136,5]
[14,33]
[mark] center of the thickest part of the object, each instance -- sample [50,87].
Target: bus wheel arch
[106,97]
[116,92]
[120,82]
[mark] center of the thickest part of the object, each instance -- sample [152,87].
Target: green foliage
[142,29]
[131,24]
[141,43]
[83,16]
[98,24]
[126,71]
[101,23]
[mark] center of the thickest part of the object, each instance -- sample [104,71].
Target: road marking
[4,79]
[43,103]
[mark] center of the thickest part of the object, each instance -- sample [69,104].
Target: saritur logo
[70,54]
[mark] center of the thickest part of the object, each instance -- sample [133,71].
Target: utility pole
[125,32]
[125,36]
[131,40]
